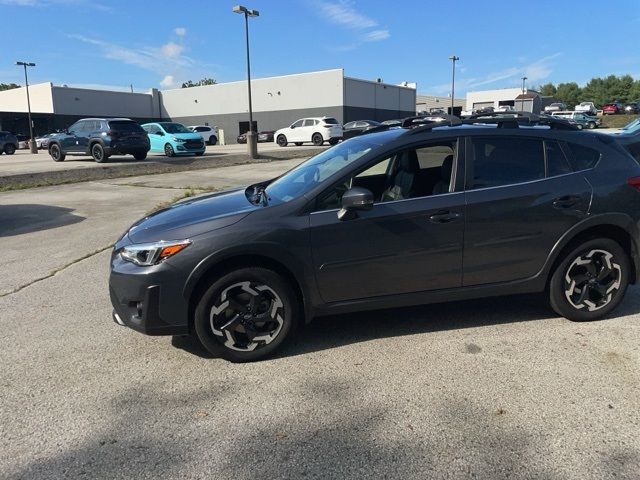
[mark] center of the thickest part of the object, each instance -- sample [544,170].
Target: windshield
[317,169]
[633,126]
[175,128]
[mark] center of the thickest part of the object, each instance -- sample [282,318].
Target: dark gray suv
[396,217]
[100,138]
[8,143]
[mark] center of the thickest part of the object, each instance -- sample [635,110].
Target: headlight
[179,140]
[146,254]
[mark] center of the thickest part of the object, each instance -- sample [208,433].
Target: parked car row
[266,136]
[580,119]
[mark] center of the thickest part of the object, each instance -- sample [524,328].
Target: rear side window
[330,121]
[202,129]
[505,161]
[125,126]
[557,163]
[581,157]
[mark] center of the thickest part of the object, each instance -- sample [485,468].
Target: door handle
[444,217]
[566,201]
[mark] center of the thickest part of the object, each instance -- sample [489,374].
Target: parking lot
[494,388]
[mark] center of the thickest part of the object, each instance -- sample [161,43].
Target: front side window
[76,127]
[410,173]
[202,129]
[174,128]
[504,161]
[297,124]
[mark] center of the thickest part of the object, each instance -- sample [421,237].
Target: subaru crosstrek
[173,139]
[100,138]
[398,216]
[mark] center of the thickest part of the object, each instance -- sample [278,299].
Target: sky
[161,43]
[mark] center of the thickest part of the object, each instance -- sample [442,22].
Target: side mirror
[293,126]
[354,199]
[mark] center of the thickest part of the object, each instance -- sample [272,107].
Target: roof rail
[513,119]
[420,120]
[377,128]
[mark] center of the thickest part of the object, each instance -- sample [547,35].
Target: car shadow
[18,219]
[339,330]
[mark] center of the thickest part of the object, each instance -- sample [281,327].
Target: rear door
[307,130]
[521,196]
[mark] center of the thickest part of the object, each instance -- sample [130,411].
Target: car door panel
[511,229]
[394,248]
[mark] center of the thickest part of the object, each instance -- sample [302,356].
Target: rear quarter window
[581,157]
[634,150]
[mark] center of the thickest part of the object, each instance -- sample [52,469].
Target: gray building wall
[103,103]
[366,100]
[427,102]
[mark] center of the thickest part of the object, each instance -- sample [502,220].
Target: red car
[612,108]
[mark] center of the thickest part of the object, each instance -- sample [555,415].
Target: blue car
[173,139]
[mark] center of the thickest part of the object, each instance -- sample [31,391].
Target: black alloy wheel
[282,141]
[591,281]
[56,153]
[97,152]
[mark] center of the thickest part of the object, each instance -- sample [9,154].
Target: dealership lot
[494,388]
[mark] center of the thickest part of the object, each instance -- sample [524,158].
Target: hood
[186,136]
[192,217]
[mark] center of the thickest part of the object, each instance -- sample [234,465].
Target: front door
[522,195]
[410,241]
[71,140]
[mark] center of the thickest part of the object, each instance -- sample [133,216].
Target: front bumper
[148,299]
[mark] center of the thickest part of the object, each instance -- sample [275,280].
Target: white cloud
[180,31]
[376,35]
[343,13]
[172,50]
[168,81]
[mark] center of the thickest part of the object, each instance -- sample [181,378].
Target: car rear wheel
[317,139]
[580,126]
[141,155]
[168,150]
[590,281]
[213,140]
[9,149]
[333,141]
[246,315]
[282,140]
[97,152]
[56,153]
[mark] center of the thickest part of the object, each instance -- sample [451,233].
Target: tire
[141,155]
[333,141]
[298,144]
[9,149]
[592,125]
[577,289]
[317,139]
[98,154]
[212,140]
[580,127]
[168,150]
[240,290]
[56,153]
[282,141]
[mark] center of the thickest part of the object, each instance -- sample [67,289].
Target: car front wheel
[213,140]
[9,149]
[592,125]
[56,153]
[590,281]
[141,155]
[282,140]
[246,315]
[168,150]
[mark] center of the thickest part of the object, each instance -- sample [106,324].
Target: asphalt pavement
[494,388]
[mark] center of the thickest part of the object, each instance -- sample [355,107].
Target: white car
[505,109]
[209,134]
[586,107]
[310,130]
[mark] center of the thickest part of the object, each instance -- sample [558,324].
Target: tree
[569,93]
[199,83]
[547,90]
[8,86]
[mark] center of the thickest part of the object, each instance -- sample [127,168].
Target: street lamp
[252,140]
[32,142]
[524,79]
[453,59]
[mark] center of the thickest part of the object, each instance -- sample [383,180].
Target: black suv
[488,206]
[100,138]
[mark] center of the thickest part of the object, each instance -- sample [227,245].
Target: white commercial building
[277,102]
[529,101]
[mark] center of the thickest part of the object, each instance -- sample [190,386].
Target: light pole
[32,142]
[252,139]
[453,59]
[524,79]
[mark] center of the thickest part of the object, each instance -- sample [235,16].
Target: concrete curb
[105,171]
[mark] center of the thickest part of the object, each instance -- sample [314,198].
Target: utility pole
[32,142]
[453,59]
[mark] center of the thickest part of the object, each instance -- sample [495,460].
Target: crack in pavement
[55,271]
